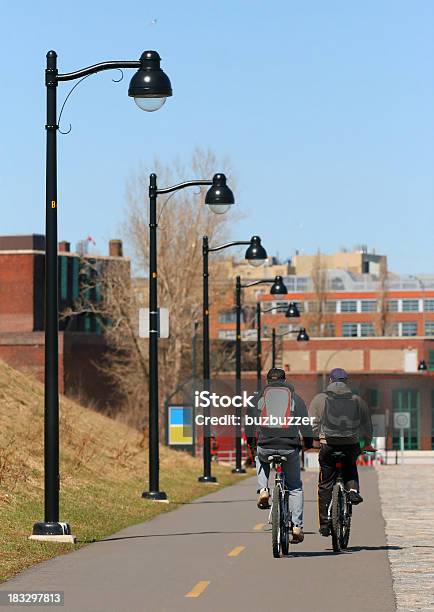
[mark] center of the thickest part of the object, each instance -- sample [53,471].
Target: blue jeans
[291,469]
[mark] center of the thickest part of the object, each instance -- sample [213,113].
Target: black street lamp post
[219,198]
[302,336]
[277,288]
[256,255]
[258,348]
[149,87]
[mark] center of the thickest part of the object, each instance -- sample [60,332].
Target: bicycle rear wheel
[284,523]
[336,524]
[275,523]
[346,524]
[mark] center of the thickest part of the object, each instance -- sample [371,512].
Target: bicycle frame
[279,484]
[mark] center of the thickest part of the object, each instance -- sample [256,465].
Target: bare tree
[382,321]
[317,320]
[182,221]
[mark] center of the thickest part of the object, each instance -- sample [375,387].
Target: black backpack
[341,417]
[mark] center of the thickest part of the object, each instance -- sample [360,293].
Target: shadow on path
[187,533]
[349,550]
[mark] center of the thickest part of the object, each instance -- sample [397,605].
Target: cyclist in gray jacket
[282,419]
[340,420]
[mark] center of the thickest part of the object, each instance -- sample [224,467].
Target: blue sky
[326,109]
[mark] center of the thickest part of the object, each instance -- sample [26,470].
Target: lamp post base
[157,496]
[208,479]
[44,531]
[239,471]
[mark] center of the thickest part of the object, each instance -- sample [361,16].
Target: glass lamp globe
[149,104]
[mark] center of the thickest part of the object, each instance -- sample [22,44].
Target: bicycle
[340,508]
[280,515]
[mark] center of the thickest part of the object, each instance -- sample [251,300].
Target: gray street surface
[215,554]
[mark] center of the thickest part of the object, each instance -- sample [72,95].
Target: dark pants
[328,474]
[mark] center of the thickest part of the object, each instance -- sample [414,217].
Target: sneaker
[325,531]
[297,535]
[264,499]
[354,497]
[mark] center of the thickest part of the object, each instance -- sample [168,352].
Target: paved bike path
[216,550]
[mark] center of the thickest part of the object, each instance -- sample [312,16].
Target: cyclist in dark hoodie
[279,401]
[341,419]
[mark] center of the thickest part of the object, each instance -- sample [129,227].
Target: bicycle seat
[276,458]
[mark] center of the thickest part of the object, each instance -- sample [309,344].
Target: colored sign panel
[180,425]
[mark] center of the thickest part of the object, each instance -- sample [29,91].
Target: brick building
[378,327]
[81,344]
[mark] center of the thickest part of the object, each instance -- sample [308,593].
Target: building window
[350,330]
[429,328]
[63,277]
[228,316]
[392,305]
[410,305]
[313,306]
[283,328]
[330,306]
[227,334]
[373,398]
[357,330]
[409,328]
[290,283]
[428,305]
[407,400]
[279,307]
[349,306]
[302,284]
[369,305]
[367,329]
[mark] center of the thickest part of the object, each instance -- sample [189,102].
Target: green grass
[103,473]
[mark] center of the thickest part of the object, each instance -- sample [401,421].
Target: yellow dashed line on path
[259,527]
[198,588]
[236,551]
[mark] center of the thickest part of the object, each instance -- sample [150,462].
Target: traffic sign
[401,420]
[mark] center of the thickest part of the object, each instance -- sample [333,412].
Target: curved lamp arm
[258,282]
[229,244]
[273,308]
[183,186]
[78,74]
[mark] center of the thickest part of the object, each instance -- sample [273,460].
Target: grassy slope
[103,470]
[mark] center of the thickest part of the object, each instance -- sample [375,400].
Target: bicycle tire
[336,525]
[275,523]
[347,527]
[284,523]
